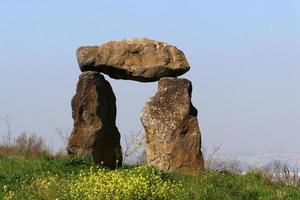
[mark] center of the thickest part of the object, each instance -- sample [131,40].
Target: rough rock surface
[135,59]
[94,112]
[173,141]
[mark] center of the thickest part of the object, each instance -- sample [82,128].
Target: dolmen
[173,138]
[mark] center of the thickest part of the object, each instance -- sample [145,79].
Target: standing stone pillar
[173,141]
[94,112]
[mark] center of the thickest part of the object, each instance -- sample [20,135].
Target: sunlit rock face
[137,59]
[173,141]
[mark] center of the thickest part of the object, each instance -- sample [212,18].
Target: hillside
[74,178]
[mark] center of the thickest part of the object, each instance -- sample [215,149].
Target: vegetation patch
[78,178]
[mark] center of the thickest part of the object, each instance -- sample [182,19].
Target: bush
[29,147]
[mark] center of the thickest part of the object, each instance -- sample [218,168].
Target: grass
[28,170]
[78,178]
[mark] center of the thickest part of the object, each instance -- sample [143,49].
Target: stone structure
[169,118]
[135,59]
[94,112]
[173,140]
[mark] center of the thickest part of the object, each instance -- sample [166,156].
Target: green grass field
[75,178]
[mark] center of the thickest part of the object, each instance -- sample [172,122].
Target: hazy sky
[244,57]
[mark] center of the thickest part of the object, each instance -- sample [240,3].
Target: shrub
[29,147]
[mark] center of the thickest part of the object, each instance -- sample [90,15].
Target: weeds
[27,146]
[280,173]
[213,162]
[79,178]
[7,139]
[133,148]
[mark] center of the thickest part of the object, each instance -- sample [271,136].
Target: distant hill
[292,160]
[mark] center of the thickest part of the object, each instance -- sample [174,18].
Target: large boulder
[173,141]
[94,112]
[135,59]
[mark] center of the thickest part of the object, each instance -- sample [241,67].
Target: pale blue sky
[244,57]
